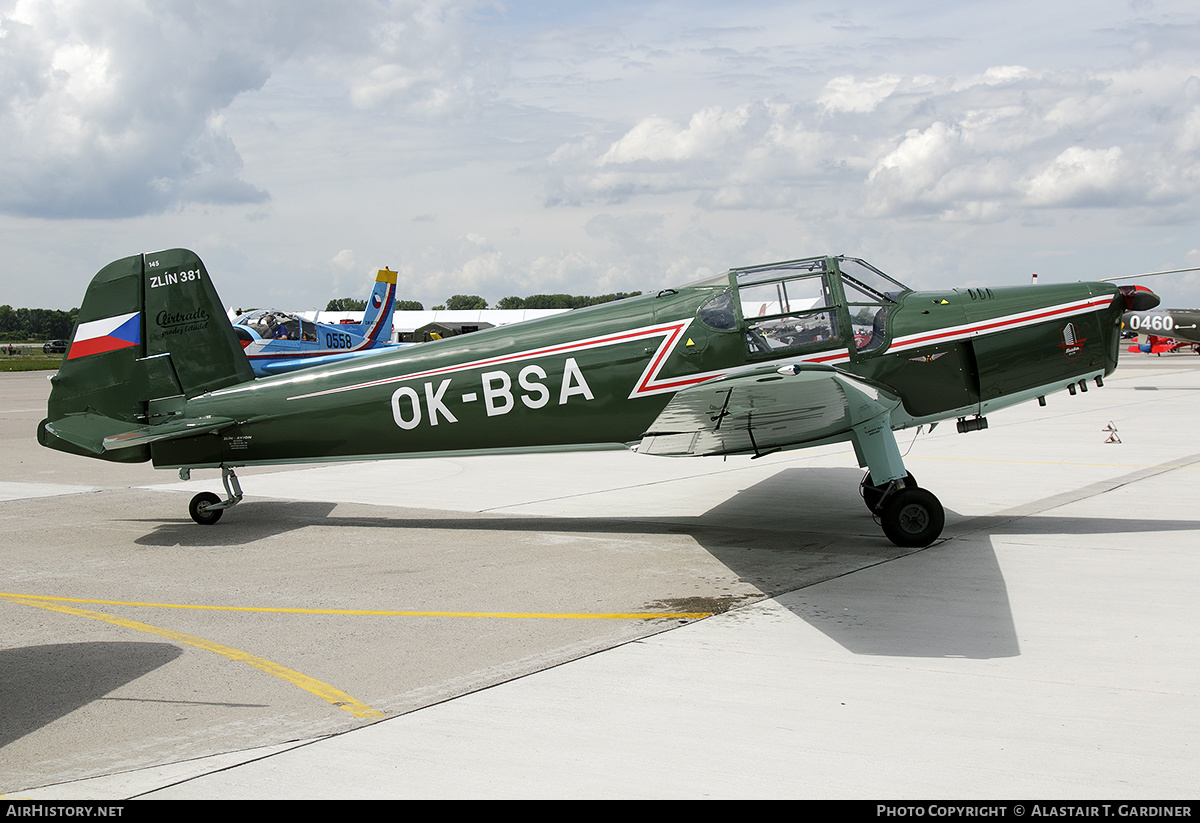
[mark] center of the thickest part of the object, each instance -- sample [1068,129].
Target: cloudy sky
[502,148]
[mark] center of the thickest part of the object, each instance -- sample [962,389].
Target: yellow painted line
[379,613]
[328,693]
[908,457]
[1059,463]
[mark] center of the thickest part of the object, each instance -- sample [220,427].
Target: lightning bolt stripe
[650,382]
[646,384]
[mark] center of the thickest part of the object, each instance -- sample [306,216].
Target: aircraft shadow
[263,520]
[783,535]
[39,684]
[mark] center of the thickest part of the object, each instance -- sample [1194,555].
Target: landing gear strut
[206,508]
[911,517]
[873,495]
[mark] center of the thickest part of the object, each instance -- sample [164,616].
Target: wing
[267,366]
[768,409]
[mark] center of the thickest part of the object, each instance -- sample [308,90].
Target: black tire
[200,511]
[913,518]
[872,495]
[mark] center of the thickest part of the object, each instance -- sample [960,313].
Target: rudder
[184,319]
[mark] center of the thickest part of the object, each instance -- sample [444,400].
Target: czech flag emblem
[109,334]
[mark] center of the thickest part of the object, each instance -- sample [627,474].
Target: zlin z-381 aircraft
[749,362]
[277,342]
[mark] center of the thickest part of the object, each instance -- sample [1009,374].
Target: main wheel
[201,511]
[912,518]
[872,494]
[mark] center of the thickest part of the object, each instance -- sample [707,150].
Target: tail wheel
[912,518]
[201,508]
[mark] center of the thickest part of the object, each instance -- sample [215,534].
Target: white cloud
[115,109]
[104,115]
[594,147]
[849,94]
[731,158]
[1081,177]
[657,139]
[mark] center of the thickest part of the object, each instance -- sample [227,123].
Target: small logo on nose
[1072,343]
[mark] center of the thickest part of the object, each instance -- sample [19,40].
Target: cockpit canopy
[798,305]
[270,324]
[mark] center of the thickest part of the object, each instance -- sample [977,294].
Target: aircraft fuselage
[599,377]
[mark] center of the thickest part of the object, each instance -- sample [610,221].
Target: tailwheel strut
[206,508]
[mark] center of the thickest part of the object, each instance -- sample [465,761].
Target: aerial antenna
[1146,274]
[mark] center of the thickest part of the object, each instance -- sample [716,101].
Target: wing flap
[765,409]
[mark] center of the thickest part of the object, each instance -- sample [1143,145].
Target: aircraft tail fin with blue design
[151,332]
[376,324]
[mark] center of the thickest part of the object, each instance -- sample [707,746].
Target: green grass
[30,361]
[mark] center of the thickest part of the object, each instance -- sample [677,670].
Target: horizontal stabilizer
[98,434]
[766,409]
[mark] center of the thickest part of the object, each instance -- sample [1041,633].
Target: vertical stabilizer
[381,308]
[151,332]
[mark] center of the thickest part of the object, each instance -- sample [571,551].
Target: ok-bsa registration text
[1034,810]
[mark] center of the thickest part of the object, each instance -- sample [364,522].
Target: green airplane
[780,356]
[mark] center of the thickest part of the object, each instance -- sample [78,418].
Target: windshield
[861,276]
[869,292]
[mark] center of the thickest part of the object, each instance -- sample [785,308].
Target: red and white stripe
[651,382]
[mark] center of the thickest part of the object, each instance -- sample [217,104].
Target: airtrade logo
[181,322]
[1072,343]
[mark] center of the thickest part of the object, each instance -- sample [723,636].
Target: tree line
[350,304]
[468,302]
[29,325]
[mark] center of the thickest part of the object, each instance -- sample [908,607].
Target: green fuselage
[599,377]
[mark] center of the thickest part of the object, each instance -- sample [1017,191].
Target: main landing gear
[911,516]
[206,508]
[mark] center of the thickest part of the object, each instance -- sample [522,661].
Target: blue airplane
[278,341]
